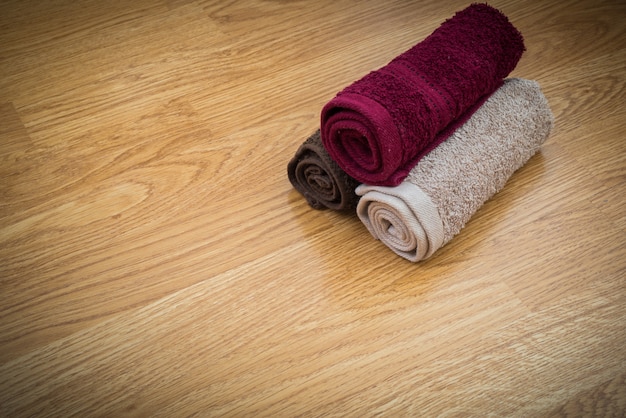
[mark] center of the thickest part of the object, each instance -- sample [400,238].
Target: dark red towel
[379,127]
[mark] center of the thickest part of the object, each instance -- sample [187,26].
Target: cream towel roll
[444,190]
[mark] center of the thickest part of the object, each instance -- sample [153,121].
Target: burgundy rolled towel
[444,190]
[379,127]
[319,179]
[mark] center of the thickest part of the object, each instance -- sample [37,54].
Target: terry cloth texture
[452,182]
[319,179]
[379,127]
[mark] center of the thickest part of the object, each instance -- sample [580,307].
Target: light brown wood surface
[155,260]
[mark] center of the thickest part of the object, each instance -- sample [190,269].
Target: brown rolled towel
[319,179]
[444,190]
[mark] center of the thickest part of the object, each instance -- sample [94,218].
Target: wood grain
[155,260]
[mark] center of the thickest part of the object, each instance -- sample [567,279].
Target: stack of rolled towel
[417,146]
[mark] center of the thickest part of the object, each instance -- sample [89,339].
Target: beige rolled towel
[444,190]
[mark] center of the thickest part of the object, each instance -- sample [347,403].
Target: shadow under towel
[319,179]
[444,190]
[379,127]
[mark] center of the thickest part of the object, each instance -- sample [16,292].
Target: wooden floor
[155,260]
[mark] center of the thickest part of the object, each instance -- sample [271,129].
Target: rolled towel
[379,127]
[319,179]
[452,182]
